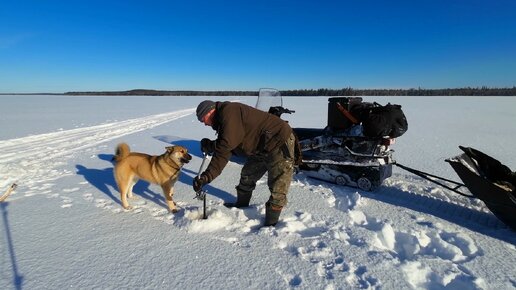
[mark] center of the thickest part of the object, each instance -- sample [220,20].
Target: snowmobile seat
[488,180]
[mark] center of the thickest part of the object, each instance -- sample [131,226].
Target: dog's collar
[172,163]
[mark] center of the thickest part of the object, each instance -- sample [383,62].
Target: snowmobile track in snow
[36,158]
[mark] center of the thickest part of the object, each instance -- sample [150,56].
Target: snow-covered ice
[63,227]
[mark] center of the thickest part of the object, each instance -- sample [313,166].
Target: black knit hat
[203,108]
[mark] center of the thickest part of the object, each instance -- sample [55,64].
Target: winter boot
[243,199]
[272,213]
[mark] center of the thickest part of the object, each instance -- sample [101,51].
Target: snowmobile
[338,157]
[340,153]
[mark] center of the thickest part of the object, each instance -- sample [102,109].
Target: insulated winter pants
[279,165]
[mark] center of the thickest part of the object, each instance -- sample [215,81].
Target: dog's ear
[170,148]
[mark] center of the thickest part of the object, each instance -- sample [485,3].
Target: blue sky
[60,46]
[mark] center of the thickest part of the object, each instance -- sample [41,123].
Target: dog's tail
[122,151]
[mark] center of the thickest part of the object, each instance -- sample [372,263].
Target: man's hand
[199,182]
[207,146]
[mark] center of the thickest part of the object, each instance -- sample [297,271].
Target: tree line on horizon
[468,91]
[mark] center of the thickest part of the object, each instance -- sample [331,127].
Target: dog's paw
[175,210]
[128,207]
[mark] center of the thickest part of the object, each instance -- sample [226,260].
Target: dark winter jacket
[245,131]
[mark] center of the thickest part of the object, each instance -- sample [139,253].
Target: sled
[488,180]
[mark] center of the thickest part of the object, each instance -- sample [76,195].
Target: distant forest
[483,91]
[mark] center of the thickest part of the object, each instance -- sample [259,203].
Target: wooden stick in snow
[8,192]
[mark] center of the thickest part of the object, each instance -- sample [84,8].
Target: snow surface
[63,227]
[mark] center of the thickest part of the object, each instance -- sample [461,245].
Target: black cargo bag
[380,121]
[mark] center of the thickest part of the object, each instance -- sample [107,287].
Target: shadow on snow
[17,277]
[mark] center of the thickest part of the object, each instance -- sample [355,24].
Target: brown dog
[163,170]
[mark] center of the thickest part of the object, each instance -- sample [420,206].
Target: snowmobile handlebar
[279,110]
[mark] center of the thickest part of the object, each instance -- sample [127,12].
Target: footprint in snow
[296,281]
[452,246]
[117,210]
[421,276]
[313,244]
[159,212]
[136,210]
[292,280]
[364,280]
[326,193]
[88,196]
[302,224]
[67,202]
[316,252]
[102,203]
[456,247]
[136,201]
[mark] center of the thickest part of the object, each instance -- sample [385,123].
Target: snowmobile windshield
[268,98]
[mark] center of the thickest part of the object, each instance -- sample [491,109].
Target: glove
[199,182]
[207,146]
